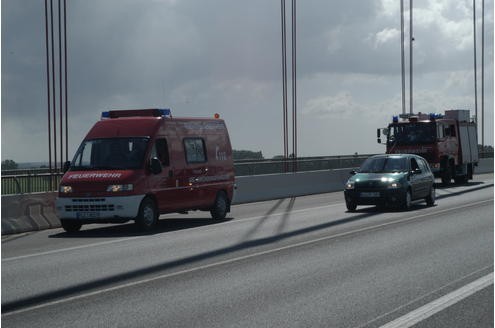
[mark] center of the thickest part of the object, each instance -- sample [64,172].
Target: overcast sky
[224,56]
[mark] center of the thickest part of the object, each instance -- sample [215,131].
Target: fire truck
[449,142]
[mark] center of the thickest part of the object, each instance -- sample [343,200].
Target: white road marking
[236,259]
[440,304]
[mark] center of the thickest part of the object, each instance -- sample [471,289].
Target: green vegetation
[9,164]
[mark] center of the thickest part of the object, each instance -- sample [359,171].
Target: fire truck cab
[447,141]
[138,164]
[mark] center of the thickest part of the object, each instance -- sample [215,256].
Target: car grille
[89,205]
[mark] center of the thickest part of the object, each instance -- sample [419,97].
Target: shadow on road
[130,229]
[158,268]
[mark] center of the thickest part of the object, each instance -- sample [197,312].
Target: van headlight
[120,187]
[65,189]
[349,185]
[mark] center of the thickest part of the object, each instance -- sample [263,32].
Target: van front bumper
[98,209]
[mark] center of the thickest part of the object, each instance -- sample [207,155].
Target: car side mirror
[66,166]
[353,172]
[155,166]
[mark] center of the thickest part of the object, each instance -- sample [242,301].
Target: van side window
[160,151]
[195,150]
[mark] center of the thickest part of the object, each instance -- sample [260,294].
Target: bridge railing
[41,180]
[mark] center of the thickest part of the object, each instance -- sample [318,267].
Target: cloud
[224,56]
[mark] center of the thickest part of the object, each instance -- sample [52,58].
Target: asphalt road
[302,262]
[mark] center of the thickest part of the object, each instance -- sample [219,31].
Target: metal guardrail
[30,183]
[38,180]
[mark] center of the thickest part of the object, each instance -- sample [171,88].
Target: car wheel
[351,206]
[148,215]
[71,225]
[406,204]
[430,199]
[220,207]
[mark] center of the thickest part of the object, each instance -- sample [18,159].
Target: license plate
[370,194]
[88,215]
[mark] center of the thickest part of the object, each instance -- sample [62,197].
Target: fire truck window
[452,130]
[195,150]
[160,151]
[440,131]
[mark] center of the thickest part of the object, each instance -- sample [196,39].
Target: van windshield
[384,165]
[110,154]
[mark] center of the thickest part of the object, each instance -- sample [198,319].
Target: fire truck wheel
[406,204]
[148,215]
[71,225]
[430,199]
[461,179]
[446,176]
[220,207]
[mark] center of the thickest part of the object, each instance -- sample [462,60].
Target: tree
[9,164]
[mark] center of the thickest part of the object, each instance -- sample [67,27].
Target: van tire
[71,226]
[220,207]
[147,215]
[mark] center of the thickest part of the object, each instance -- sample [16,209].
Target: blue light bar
[105,114]
[395,119]
[165,112]
[435,116]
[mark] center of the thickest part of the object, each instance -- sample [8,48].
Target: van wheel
[220,207]
[71,226]
[148,215]
[430,199]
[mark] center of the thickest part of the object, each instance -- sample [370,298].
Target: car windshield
[384,165]
[411,134]
[110,154]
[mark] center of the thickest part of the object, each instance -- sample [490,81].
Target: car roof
[394,156]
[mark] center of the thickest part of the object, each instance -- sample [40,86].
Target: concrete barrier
[274,186]
[28,212]
[32,212]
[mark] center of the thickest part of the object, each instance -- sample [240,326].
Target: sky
[224,56]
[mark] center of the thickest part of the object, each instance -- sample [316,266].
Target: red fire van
[138,164]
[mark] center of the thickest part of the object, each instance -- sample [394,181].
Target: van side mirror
[155,166]
[66,166]
[379,140]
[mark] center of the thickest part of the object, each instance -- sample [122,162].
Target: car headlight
[65,189]
[349,185]
[394,185]
[120,187]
